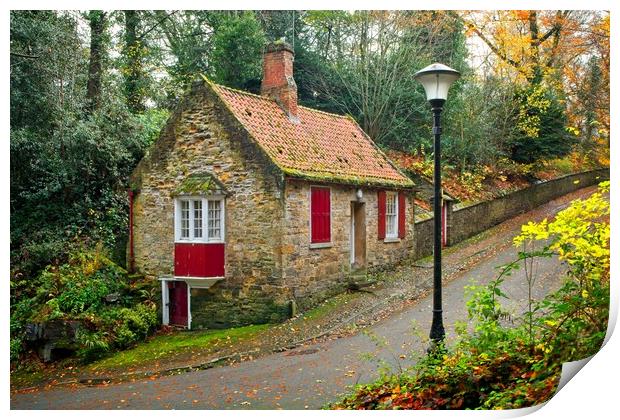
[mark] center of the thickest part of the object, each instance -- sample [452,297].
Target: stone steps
[358,280]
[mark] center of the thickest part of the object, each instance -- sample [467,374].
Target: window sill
[200,282]
[391,240]
[321,245]
[182,241]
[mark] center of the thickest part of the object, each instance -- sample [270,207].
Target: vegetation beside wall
[87,306]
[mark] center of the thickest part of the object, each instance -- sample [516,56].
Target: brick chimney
[278,82]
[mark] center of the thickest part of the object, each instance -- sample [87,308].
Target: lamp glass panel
[436,85]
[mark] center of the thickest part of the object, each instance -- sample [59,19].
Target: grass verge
[171,344]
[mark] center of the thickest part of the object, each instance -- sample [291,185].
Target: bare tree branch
[493,48]
[32,57]
[164,16]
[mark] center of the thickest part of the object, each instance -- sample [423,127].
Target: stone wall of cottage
[201,137]
[316,273]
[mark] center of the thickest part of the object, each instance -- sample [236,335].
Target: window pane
[390,215]
[214,220]
[197,219]
[184,219]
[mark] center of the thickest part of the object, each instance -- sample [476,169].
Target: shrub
[132,324]
[92,344]
[16,348]
[77,291]
[575,317]
[77,287]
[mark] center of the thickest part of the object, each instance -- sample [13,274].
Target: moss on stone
[200,183]
[347,179]
[211,311]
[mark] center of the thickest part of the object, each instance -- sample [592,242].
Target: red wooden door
[177,297]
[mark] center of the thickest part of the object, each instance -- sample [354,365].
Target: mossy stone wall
[203,138]
[471,220]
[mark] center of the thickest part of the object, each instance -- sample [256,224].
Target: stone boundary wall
[471,220]
[423,238]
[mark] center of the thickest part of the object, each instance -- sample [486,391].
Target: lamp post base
[438,333]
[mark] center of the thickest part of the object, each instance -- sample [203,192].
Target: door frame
[356,208]
[352,236]
[165,301]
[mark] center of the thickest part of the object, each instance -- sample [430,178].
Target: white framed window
[199,219]
[197,225]
[391,215]
[214,218]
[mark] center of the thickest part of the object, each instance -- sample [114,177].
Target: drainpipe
[131,254]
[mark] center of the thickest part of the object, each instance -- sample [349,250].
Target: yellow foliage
[580,235]
[535,100]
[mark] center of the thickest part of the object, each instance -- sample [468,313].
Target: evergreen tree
[541,125]
[238,43]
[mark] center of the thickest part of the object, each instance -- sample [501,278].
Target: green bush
[131,324]
[16,348]
[92,344]
[77,291]
[76,287]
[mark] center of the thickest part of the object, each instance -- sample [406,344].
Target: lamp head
[437,79]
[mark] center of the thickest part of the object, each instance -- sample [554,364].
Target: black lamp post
[437,79]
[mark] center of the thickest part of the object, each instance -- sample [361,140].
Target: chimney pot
[278,82]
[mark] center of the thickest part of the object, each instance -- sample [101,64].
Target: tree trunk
[133,57]
[536,76]
[96,19]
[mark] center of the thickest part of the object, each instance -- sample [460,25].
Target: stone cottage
[248,206]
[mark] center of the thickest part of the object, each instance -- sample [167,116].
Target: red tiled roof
[322,146]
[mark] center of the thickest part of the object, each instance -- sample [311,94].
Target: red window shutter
[381,221]
[402,215]
[320,207]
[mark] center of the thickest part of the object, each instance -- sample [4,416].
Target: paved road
[308,376]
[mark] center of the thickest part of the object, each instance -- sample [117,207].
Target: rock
[53,339]
[33,332]
[112,297]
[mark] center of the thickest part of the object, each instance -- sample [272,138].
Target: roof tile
[322,146]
